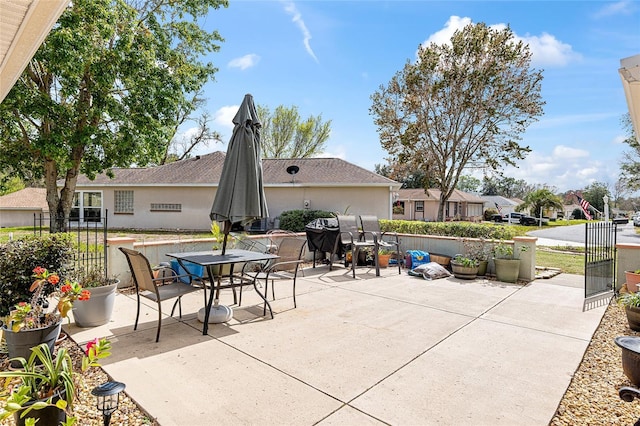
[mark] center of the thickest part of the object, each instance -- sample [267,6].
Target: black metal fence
[90,238]
[600,263]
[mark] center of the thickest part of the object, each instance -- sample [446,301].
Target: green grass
[568,259]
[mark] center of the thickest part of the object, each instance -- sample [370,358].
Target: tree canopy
[105,89]
[541,200]
[286,135]
[630,164]
[460,104]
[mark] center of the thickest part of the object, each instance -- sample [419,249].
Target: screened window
[419,206]
[123,203]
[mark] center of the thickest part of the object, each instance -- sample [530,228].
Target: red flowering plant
[32,315]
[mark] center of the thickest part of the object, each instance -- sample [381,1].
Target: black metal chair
[163,286]
[352,239]
[371,232]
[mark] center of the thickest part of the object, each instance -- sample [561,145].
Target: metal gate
[599,263]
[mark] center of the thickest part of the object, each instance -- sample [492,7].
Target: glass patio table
[214,258]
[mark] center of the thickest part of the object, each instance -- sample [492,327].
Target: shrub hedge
[18,258]
[295,220]
[449,229]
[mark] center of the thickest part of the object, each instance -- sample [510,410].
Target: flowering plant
[43,375]
[32,315]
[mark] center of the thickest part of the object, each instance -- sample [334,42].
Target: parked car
[620,220]
[528,220]
[636,221]
[496,218]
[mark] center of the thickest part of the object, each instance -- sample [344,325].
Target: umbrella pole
[227,229]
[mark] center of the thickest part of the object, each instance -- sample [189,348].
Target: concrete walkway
[394,350]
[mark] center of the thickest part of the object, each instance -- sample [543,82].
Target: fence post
[527,257]
[117,265]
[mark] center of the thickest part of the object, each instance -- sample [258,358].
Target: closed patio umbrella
[240,194]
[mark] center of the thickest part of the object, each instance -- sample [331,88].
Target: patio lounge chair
[371,232]
[351,238]
[165,286]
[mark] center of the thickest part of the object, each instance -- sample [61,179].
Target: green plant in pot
[44,387]
[30,324]
[631,304]
[507,261]
[480,250]
[102,289]
[384,255]
[464,267]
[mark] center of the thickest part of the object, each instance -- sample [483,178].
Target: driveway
[625,234]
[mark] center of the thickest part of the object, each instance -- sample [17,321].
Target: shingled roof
[205,170]
[434,194]
[27,198]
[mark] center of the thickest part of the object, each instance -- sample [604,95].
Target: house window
[123,202]
[398,207]
[419,206]
[166,207]
[87,206]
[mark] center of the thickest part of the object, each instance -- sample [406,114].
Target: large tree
[105,89]
[286,135]
[460,104]
[595,193]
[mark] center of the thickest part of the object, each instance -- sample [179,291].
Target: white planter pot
[97,310]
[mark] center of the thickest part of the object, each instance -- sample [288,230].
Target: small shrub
[295,220]
[18,258]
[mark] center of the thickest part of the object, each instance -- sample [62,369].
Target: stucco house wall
[419,205]
[18,208]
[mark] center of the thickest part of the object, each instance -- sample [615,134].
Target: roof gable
[27,198]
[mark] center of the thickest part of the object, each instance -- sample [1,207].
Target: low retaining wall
[449,246]
[628,259]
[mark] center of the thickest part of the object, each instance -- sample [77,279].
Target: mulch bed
[84,408]
[592,397]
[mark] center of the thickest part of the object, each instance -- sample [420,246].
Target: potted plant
[98,309]
[507,262]
[29,324]
[631,304]
[44,387]
[464,267]
[479,250]
[632,280]
[384,254]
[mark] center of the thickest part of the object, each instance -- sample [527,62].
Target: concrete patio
[393,349]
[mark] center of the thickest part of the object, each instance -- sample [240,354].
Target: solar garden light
[108,396]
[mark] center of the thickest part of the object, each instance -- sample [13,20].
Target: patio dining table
[214,258]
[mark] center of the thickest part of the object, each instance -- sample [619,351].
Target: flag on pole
[585,207]
[498,207]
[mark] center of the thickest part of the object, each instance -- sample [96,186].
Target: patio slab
[373,350]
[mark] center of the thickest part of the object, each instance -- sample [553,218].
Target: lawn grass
[568,259]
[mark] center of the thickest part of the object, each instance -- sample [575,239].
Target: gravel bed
[129,412]
[592,397]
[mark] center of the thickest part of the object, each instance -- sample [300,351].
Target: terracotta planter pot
[97,310]
[632,281]
[383,260]
[507,270]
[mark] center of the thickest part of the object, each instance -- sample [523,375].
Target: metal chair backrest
[291,249]
[348,229]
[140,269]
[370,227]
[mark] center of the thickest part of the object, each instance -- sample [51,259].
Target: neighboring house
[18,208]
[506,205]
[179,195]
[418,204]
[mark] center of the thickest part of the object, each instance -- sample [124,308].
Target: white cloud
[244,62]
[338,151]
[546,49]
[223,117]
[618,140]
[561,152]
[624,7]
[292,10]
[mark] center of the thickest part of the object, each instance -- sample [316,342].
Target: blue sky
[329,57]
